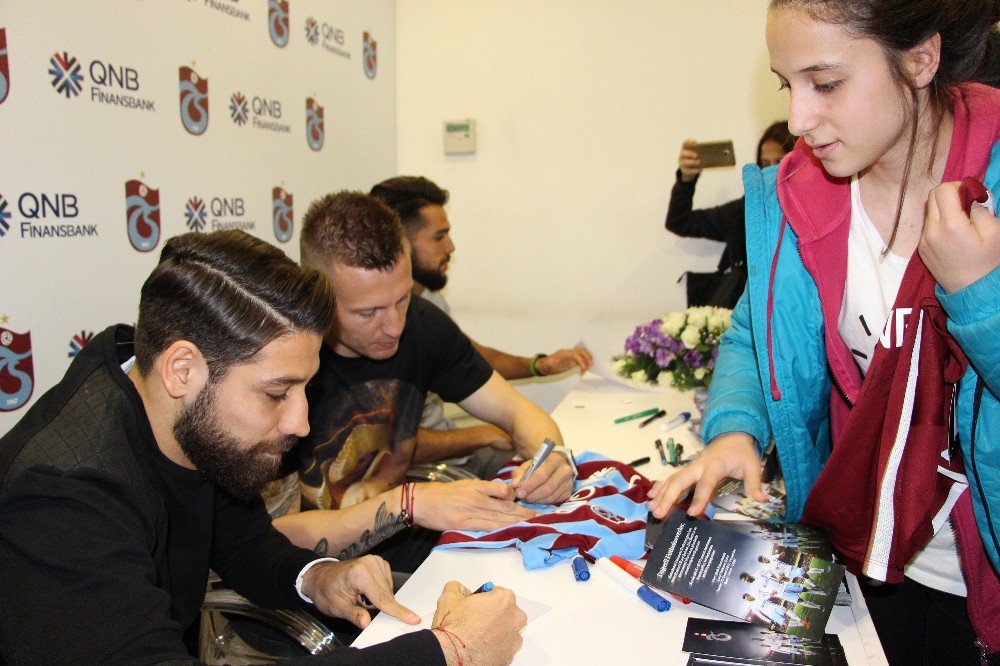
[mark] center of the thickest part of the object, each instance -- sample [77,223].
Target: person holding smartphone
[722,223]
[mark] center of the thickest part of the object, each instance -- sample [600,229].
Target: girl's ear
[923,60]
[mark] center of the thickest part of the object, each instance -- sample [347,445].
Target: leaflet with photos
[716,564]
[713,642]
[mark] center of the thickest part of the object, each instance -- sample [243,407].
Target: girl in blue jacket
[865,343]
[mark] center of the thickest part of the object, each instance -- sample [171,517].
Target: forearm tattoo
[386,524]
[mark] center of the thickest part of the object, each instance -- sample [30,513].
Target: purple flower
[693,358]
[663,357]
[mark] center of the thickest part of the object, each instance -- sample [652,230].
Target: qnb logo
[65,72]
[277,22]
[52,215]
[312,31]
[314,124]
[238,108]
[262,113]
[17,377]
[112,84]
[195,215]
[4,68]
[193,100]
[142,215]
[78,342]
[370,59]
[281,205]
[4,217]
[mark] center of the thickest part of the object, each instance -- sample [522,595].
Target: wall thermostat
[459,136]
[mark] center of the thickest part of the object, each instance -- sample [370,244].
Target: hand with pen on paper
[481,628]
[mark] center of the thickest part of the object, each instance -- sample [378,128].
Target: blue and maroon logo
[78,342]
[370,59]
[314,124]
[277,22]
[17,375]
[142,215]
[194,101]
[4,66]
[65,72]
[281,205]
[4,217]
[195,215]
[239,110]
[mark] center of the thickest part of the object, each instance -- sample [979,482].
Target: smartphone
[715,154]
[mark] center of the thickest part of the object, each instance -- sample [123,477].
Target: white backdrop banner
[126,122]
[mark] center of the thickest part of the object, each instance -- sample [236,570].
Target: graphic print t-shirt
[364,414]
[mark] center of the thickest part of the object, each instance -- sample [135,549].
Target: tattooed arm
[481,506]
[345,533]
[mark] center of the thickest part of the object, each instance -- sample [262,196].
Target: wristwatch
[566,451]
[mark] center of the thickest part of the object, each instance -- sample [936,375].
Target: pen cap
[653,599]
[580,569]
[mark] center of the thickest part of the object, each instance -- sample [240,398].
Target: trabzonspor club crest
[17,378]
[314,124]
[277,22]
[142,215]
[281,204]
[194,101]
[370,59]
[4,67]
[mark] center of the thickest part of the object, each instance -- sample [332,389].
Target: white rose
[673,323]
[697,316]
[716,322]
[699,374]
[639,376]
[691,337]
[618,365]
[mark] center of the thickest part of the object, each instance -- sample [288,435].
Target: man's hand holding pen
[548,481]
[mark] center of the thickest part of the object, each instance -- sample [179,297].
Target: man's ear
[183,369]
[923,60]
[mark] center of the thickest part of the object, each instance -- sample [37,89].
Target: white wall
[581,107]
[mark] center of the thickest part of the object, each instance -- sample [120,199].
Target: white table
[595,621]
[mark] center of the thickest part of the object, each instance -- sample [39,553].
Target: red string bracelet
[452,638]
[412,494]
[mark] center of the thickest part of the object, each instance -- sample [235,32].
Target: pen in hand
[537,461]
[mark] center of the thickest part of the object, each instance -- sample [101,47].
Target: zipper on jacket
[775,391]
[976,404]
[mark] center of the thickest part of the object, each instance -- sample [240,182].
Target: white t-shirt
[863,316]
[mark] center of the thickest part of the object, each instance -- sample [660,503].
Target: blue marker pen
[617,574]
[485,587]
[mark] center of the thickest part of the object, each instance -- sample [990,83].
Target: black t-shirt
[364,414]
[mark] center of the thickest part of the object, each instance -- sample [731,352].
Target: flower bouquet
[684,345]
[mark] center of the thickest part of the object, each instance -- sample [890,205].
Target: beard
[432,278]
[239,468]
